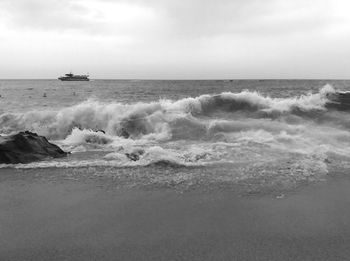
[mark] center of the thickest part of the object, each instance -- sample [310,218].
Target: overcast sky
[175,39]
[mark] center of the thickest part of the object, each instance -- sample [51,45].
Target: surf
[163,118]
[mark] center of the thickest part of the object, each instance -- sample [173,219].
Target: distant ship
[72,77]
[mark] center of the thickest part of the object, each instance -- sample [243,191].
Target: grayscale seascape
[165,168]
[174,130]
[262,135]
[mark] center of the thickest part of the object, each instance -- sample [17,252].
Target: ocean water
[254,134]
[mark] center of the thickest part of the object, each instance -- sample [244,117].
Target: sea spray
[140,119]
[229,137]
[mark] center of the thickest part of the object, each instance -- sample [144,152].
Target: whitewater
[260,133]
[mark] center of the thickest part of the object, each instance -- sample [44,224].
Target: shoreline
[88,220]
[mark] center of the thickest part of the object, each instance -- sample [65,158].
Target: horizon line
[192,79]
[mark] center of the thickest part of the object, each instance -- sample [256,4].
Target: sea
[252,136]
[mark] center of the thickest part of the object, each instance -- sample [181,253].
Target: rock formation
[26,147]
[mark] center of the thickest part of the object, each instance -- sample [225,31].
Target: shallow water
[266,133]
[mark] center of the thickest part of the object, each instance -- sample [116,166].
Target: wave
[226,137]
[128,157]
[191,168]
[190,118]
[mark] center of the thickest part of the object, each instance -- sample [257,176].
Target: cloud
[85,16]
[203,18]
[176,39]
[45,15]
[187,18]
[176,20]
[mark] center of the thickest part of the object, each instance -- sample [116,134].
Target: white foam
[153,119]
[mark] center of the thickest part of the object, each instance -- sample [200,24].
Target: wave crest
[164,119]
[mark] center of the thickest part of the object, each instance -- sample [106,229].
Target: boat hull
[74,79]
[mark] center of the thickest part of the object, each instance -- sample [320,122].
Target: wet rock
[26,147]
[135,155]
[339,101]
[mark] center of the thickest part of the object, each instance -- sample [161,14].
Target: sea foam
[157,119]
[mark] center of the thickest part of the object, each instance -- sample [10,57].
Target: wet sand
[80,220]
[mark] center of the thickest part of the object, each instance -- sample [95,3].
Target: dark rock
[132,156]
[26,147]
[135,155]
[339,101]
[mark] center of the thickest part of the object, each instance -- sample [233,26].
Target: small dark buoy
[44,95]
[74,93]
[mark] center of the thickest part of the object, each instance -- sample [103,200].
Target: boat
[72,77]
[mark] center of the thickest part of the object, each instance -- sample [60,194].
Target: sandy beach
[66,219]
[174,130]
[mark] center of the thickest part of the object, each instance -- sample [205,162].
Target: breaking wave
[246,121]
[282,139]
[188,118]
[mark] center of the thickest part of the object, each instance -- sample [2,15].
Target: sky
[175,39]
